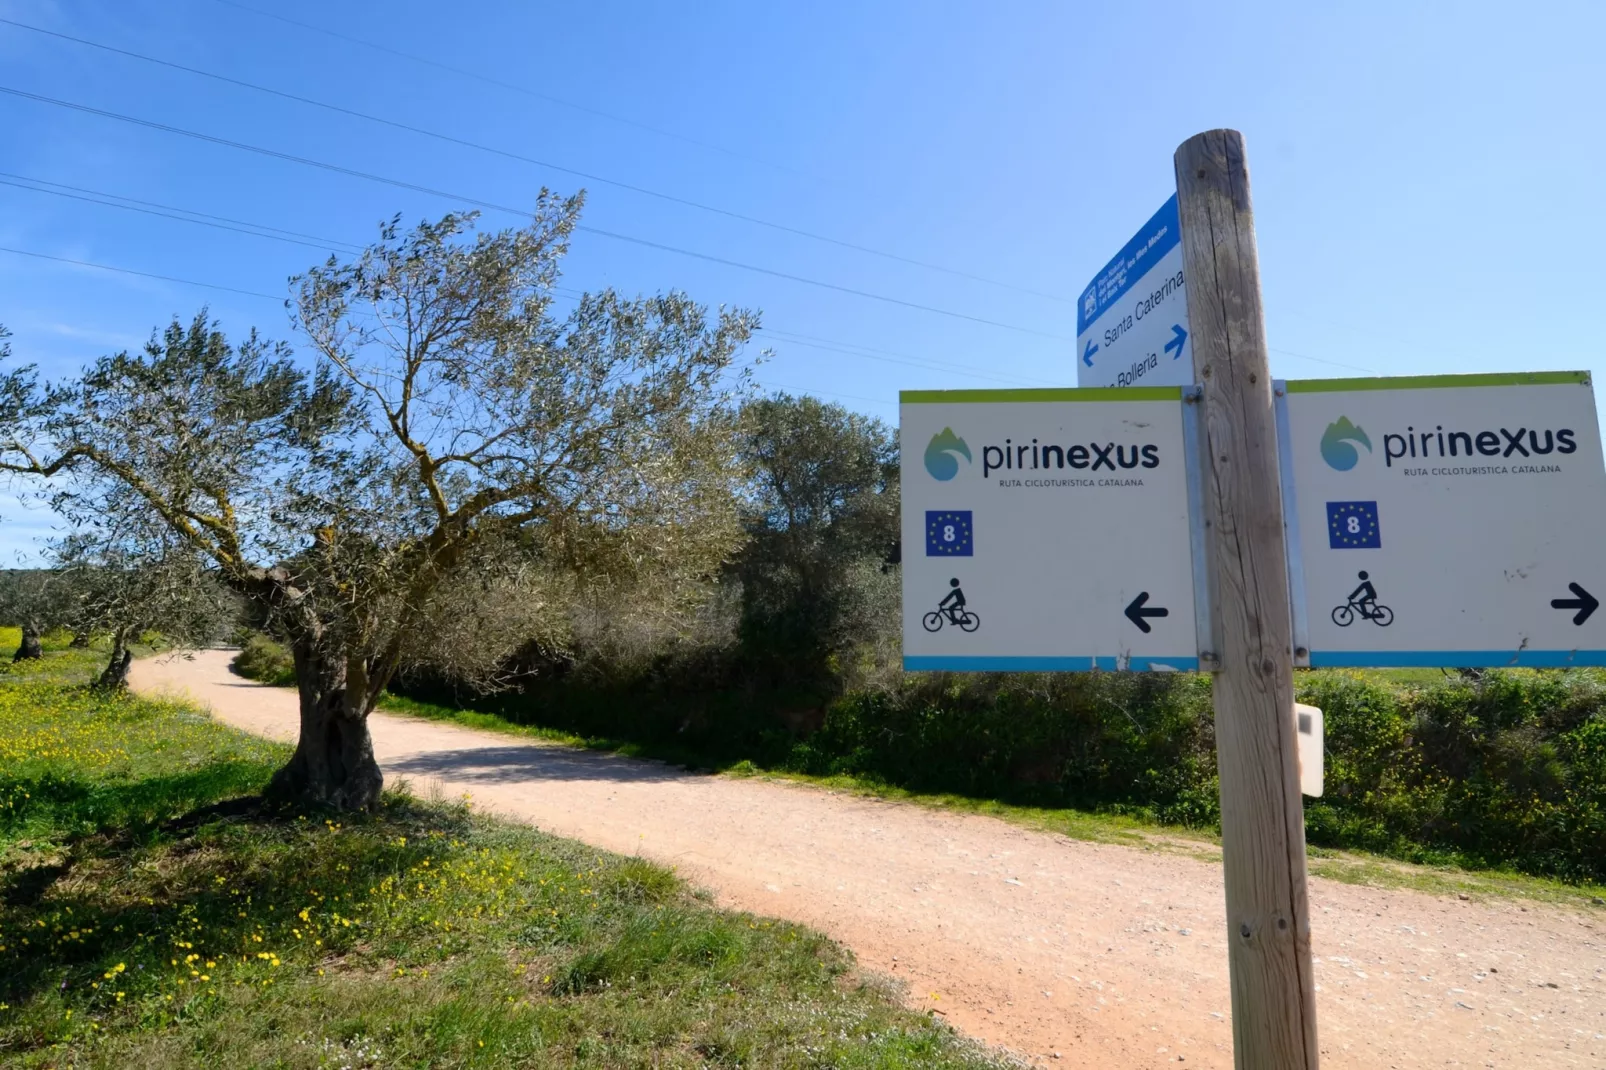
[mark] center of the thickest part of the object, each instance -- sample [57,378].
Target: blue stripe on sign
[957,663]
[1156,238]
[1455,659]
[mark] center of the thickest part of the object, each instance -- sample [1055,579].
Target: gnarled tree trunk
[115,677]
[334,759]
[30,647]
[80,640]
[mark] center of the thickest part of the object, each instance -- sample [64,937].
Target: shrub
[266,661]
[1504,770]
[1132,741]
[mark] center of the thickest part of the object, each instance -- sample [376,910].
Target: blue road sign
[1132,320]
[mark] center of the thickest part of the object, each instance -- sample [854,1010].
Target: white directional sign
[1046,530]
[1132,321]
[1446,520]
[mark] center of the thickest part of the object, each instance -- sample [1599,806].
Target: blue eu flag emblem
[1353,526]
[949,533]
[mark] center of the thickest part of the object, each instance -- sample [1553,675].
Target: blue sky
[1426,177]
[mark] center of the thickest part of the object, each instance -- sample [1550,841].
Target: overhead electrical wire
[479,76]
[270,297]
[849,349]
[6,180]
[172,208]
[295,237]
[1319,360]
[141,274]
[547,164]
[522,213]
[829,393]
[259,230]
[256,230]
[852,349]
[281,300]
[891,356]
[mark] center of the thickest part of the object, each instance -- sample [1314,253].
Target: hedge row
[1507,769]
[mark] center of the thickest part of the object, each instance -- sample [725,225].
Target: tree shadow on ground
[74,808]
[510,764]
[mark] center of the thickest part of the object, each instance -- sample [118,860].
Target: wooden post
[1262,815]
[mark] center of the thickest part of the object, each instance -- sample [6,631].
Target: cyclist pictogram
[1364,604]
[951,610]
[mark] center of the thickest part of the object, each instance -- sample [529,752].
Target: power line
[142,274]
[857,349]
[270,297]
[1319,360]
[851,349]
[171,214]
[585,175]
[829,393]
[498,83]
[559,290]
[171,208]
[928,365]
[522,213]
[281,300]
[253,229]
[259,230]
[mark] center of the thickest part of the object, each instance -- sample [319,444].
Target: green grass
[151,916]
[1410,677]
[1372,871]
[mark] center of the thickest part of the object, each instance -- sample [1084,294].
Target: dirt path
[1075,954]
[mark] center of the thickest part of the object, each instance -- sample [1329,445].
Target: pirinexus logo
[1441,444]
[943,453]
[1337,444]
[1013,456]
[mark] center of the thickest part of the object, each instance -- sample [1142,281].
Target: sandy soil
[1067,953]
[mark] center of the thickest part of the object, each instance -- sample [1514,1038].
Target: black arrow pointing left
[1585,603]
[1137,614]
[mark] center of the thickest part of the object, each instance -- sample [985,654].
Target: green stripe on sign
[1092,393]
[1430,382]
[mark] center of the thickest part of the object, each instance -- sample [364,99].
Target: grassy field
[153,914]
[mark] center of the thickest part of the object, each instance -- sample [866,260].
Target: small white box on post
[1308,719]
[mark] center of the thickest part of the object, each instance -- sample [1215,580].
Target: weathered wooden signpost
[1262,816]
[1168,517]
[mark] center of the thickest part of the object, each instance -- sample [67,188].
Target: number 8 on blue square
[949,533]
[1353,526]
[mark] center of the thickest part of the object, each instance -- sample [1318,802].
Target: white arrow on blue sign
[1132,320]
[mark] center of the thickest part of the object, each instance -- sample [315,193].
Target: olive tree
[446,431]
[125,577]
[821,511]
[33,600]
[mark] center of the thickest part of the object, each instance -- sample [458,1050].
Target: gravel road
[1069,954]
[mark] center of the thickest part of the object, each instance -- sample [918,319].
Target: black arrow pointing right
[1136,613]
[1585,603]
